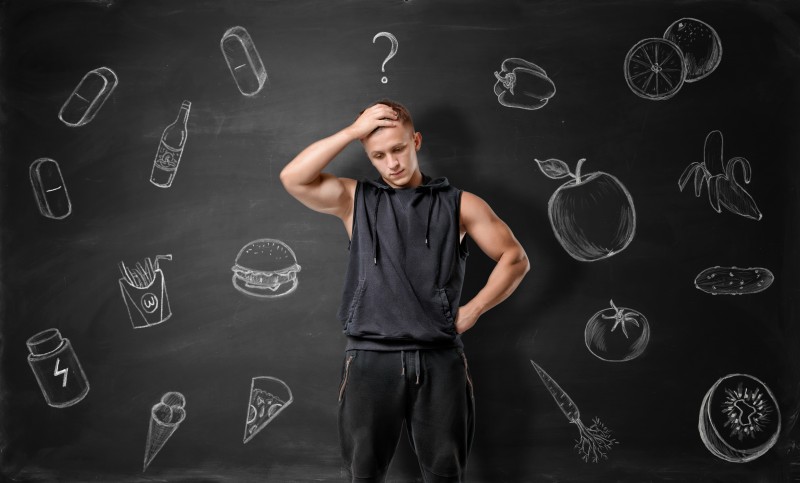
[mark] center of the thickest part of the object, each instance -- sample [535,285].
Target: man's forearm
[504,279]
[307,166]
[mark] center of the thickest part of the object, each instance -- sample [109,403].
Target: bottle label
[167,158]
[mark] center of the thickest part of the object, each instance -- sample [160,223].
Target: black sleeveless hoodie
[403,283]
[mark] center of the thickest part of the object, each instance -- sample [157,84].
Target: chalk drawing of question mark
[392,52]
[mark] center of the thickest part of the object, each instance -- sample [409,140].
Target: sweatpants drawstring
[403,364]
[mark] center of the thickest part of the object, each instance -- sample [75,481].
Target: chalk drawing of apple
[592,214]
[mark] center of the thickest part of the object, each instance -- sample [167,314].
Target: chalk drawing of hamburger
[265,268]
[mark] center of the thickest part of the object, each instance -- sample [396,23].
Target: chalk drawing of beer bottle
[173,140]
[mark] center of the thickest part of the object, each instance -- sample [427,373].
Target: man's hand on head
[379,115]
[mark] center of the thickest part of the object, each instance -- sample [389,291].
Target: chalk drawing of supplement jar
[57,369]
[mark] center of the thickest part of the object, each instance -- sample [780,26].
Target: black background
[323,68]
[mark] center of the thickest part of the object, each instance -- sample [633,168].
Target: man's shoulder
[473,206]
[470,197]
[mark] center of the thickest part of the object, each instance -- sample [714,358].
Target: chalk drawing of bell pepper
[523,85]
[719,176]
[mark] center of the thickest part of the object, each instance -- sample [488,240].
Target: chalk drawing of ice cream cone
[165,417]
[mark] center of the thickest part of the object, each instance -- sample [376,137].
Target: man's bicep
[489,232]
[329,194]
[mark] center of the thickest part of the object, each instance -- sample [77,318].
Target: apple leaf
[554,168]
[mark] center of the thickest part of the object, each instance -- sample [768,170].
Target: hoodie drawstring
[383,188]
[430,210]
[375,228]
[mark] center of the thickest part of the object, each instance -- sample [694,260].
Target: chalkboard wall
[60,262]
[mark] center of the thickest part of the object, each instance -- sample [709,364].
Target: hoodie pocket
[446,311]
[355,302]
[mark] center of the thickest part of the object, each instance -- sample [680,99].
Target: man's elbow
[290,181]
[524,262]
[518,261]
[286,178]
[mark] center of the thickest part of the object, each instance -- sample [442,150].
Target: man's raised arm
[303,177]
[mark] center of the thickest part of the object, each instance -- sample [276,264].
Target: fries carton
[145,293]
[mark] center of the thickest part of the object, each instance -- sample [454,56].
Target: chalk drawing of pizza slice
[268,397]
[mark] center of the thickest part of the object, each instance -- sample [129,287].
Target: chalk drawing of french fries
[145,292]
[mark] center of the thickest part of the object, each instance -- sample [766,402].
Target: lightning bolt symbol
[63,371]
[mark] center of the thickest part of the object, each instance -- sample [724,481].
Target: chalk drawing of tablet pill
[84,102]
[49,189]
[243,60]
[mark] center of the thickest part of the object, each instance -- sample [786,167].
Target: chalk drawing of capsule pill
[88,97]
[49,189]
[243,61]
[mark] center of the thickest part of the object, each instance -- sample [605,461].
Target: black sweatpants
[430,390]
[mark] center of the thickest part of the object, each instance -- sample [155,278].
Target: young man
[404,359]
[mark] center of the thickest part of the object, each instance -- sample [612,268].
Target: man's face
[393,152]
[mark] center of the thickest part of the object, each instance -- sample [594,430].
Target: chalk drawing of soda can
[57,369]
[145,292]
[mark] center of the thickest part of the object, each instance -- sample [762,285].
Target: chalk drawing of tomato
[592,215]
[617,334]
[739,418]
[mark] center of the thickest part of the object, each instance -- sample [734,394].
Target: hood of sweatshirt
[429,185]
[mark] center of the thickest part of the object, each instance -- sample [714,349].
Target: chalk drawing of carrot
[595,441]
